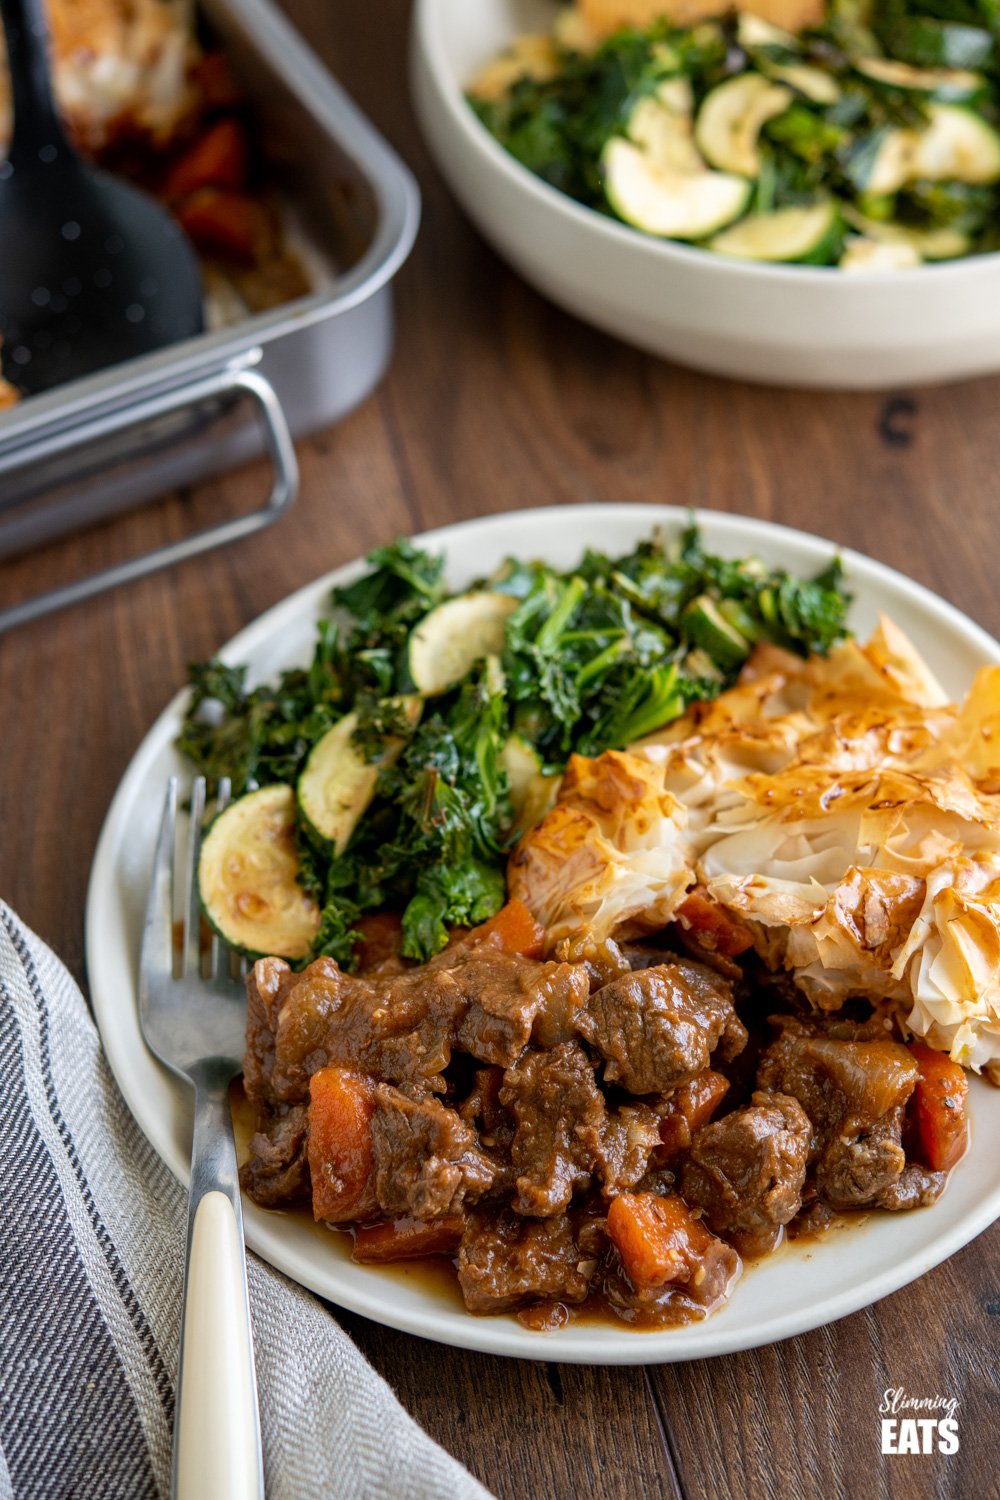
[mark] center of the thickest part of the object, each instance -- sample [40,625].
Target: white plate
[786,325]
[798,1288]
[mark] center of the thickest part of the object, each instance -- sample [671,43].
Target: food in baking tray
[146,98]
[120,67]
[858,136]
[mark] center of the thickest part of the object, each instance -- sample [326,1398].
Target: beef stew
[611,1133]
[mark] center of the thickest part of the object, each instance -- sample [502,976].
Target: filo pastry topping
[840,807]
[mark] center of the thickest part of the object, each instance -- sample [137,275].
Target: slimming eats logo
[918,1424]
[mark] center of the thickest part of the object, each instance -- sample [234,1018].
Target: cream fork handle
[217,1428]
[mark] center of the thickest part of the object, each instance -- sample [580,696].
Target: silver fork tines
[191,907]
[193,1018]
[191,994]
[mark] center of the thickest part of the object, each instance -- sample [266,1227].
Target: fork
[195,1026]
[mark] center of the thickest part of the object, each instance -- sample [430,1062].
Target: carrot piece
[220,158]
[381,938]
[658,1239]
[699,1099]
[939,1107]
[224,223]
[690,1107]
[516,929]
[712,924]
[407,1239]
[341,1154]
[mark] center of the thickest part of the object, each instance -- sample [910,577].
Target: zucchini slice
[956,146]
[811,234]
[248,877]
[448,642]
[532,793]
[665,202]
[863,254]
[930,244]
[708,627]
[883,163]
[663,125]
[731,118]
[336,783]
[522,762]
[656,179]
[805,79]
[956,85]
[753,31]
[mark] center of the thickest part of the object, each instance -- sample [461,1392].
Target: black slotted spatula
[92,271]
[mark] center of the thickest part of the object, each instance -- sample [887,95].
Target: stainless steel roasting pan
[120,438]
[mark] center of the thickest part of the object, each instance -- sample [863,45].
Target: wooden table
[496,401]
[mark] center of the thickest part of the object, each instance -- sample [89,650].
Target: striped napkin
[92,1230]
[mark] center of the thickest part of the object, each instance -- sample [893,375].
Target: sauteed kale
[429,729]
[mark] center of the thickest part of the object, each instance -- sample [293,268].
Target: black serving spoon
[92,271]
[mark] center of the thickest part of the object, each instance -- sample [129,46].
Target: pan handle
[278,442]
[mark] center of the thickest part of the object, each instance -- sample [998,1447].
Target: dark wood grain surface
[497,401]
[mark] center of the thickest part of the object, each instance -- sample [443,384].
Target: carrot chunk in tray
[221,222]
[219,158]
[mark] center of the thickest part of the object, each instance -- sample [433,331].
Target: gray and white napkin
[92,1230]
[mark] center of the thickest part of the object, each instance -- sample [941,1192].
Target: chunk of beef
[638,956]
[862,1167]
[427,1159]
[482,1109]
[277,1170]
[915,1187]
[658,1027]
[630,1135]
[559,1115]
[493,1124]
[514,999]
[712,958]
[399,1027]
[603,960]
[268,982]
[505,1261]
[854,1094]
[747,1170]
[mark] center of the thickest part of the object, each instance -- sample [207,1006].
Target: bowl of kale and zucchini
[819,206]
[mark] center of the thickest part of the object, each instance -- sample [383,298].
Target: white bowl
[790,325]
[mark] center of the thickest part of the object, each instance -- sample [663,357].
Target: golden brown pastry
[606,16]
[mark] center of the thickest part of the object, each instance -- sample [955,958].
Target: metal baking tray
[120,438]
